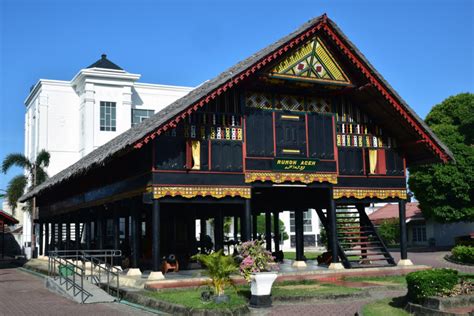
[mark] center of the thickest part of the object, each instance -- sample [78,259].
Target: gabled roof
[7,218]
[103,62]
[390,211]
[171,115]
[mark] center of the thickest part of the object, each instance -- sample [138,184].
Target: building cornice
[162,87]
[96,73]
[37,87]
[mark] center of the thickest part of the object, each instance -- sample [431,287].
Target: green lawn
[308,288]
[390,279]
[310,255]
[387,306]
[191,298]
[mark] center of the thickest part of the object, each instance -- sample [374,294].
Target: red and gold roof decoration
[188,192]
[280,177]
[369,193]
[310,62]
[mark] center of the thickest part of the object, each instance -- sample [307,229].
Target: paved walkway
[434,259]
[22,293]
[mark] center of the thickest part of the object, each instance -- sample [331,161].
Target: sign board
[295,164]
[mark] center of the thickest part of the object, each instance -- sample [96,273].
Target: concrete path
[22,293]
[434,259]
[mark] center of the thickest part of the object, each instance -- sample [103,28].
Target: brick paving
[434,259]
[22,293]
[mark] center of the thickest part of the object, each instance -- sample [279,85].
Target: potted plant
[259,269]
[219,268]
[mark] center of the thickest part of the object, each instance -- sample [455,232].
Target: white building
[70,119]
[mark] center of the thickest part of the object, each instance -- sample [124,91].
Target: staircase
[80,274]
[359,245]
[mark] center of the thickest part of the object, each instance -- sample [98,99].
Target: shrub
[255,258]
[464,254]
[422,284]
[466,240]
[389,231]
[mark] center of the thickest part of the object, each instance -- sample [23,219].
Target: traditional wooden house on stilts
[306,122]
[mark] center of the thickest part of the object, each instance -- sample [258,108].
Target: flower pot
[261,289]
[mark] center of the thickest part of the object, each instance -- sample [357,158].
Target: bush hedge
[464,254]
[435,282]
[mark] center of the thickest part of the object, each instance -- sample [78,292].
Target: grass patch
[309,288]
[389,279]
[310,255]
[387,306]
[191,298]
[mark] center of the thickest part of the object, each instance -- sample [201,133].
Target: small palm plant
[219,268]
[34,174]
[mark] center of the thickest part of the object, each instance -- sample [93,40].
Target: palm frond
[15,159]
[41,175]
[42,159]
[15,189]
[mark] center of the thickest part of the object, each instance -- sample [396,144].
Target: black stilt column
[40,239]
[202,234]
[99,230]
[219,231]
[403,230]
[254,226]
[332,236]
[88,234]
[53,236]
[299,235]
[46,239]
[276,230]
[136,221]
[236,228]
[60,235]
[268,230]
[68,235]
[156,222]
[246,221]
[116,226]
[77,231]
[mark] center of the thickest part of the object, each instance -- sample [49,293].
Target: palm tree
[34,174]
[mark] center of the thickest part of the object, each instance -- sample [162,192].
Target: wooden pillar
[403,230]
[299,235]
[88,234]
[236,228]
[268,230]
[99,230]
[53,236]
[68,235]
[40,239]
[46,239]
[202,234]
[361,209]
[60,235]
[116,226]
[254,227]
[219,231]
[276,230]
[127,228]
[77,231]
[332,234]
[136,221]
[245,234]
[156,228]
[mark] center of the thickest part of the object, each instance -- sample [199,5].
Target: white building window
[108,116]
[139,115]
[419,233]
[307,222]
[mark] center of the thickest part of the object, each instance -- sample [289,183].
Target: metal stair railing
[55,262]
[100,261]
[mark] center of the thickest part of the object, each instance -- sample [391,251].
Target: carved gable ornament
[310,62]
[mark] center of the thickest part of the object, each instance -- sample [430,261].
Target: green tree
[261,227]
[34,174]
[445,191]
[389,231]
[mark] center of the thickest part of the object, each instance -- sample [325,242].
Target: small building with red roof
[421,231]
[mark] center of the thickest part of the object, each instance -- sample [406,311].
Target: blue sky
[423,48]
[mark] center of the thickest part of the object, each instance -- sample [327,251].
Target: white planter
[261,283]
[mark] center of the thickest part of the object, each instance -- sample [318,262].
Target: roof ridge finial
[104,56]
[325,18]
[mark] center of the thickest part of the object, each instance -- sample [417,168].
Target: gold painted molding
[280,177]
[369,193]
[193,191]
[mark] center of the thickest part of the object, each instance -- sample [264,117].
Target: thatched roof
[137,134]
